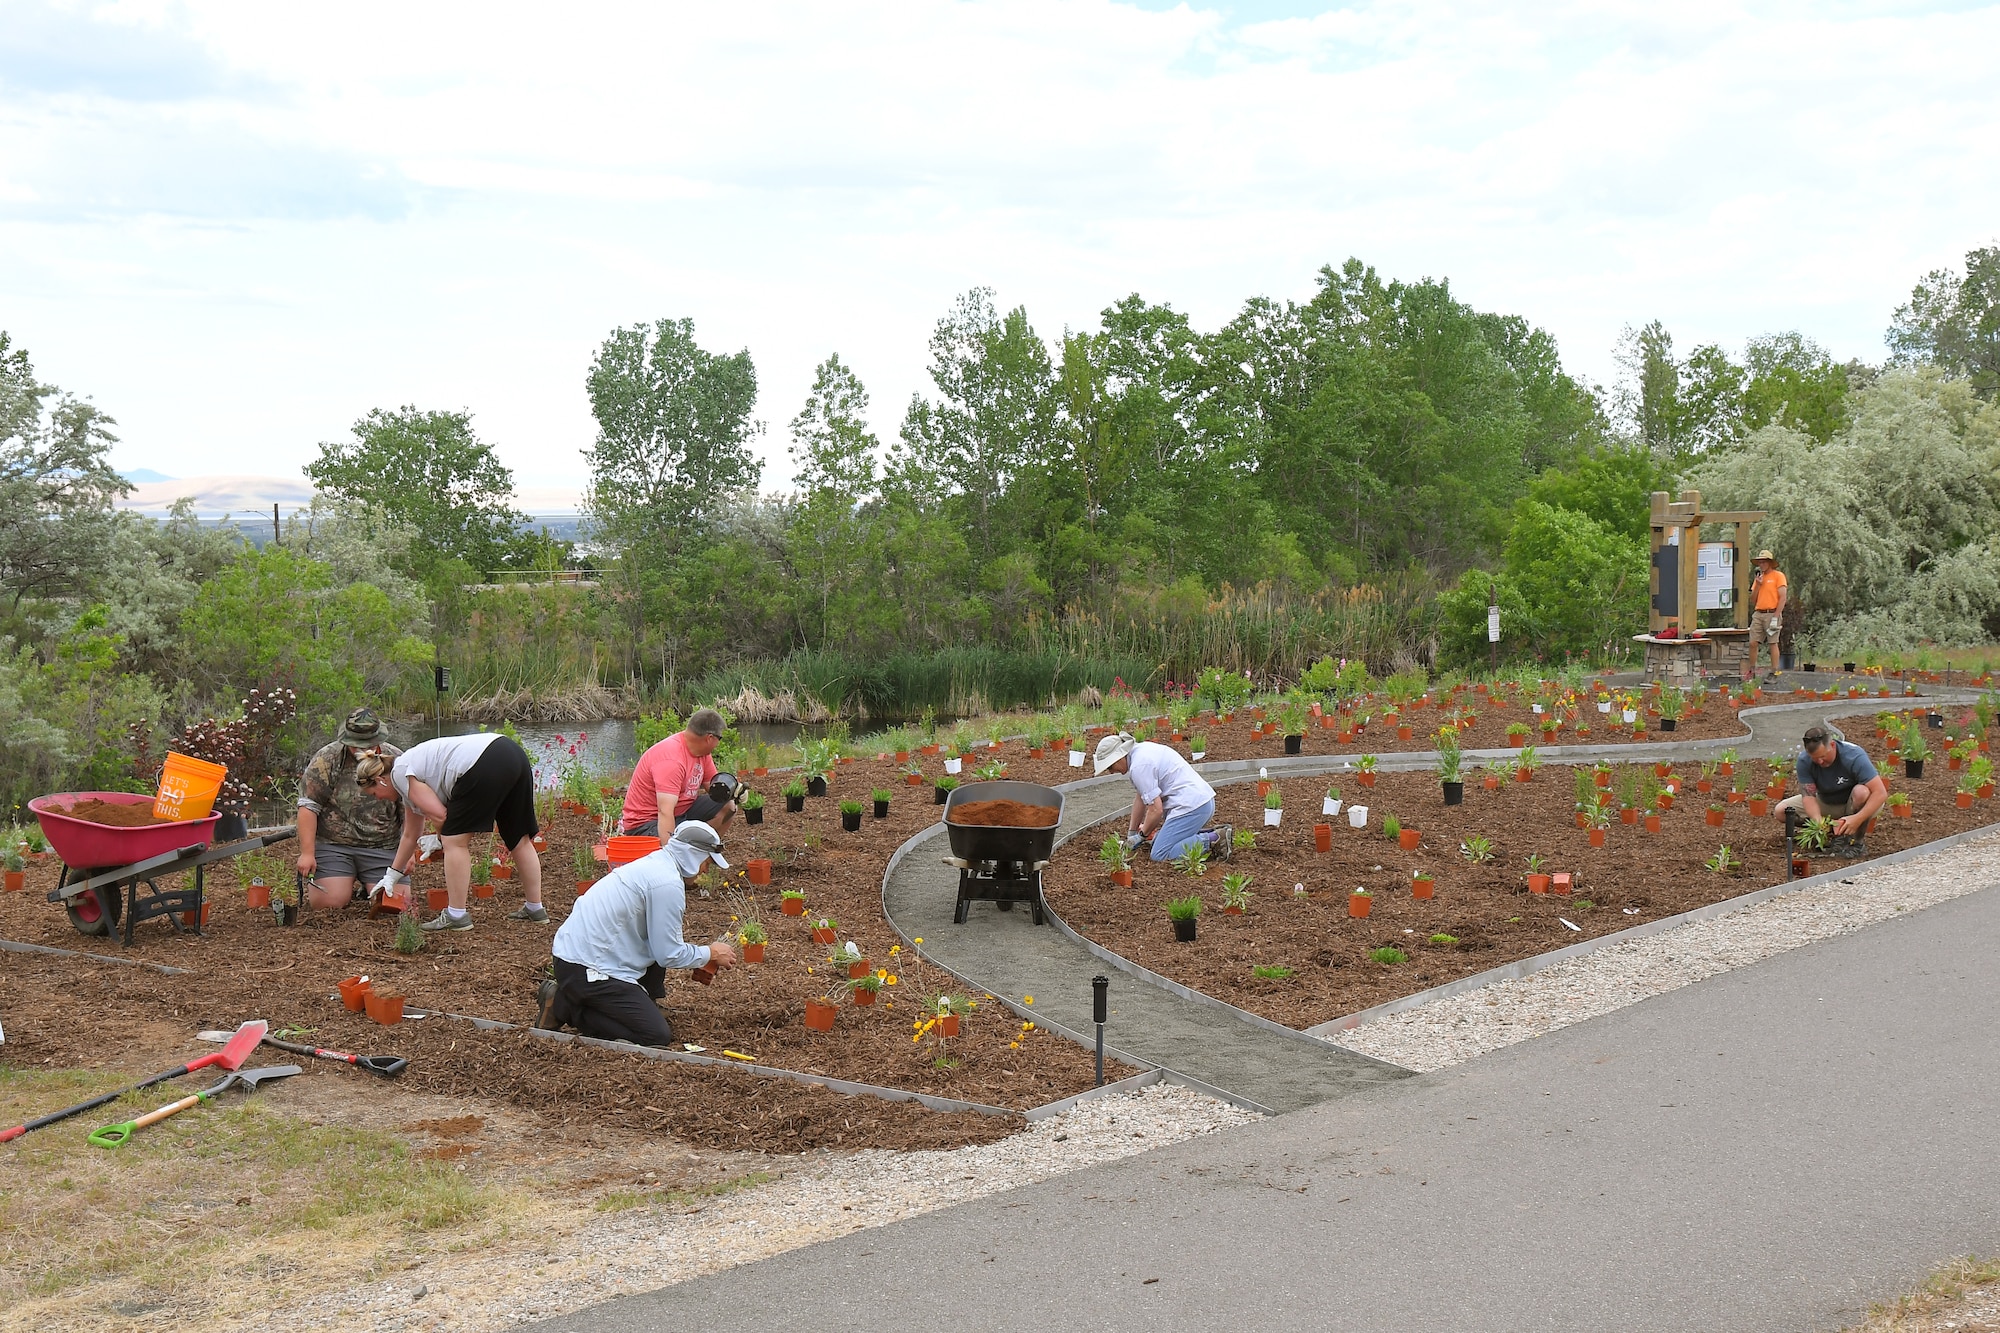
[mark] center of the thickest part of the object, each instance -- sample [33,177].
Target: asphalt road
[1771,1149]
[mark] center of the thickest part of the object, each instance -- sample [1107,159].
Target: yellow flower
[920,939]
[1013,1045]
[1027,999]
[882,973]
[895,949]
[891,980]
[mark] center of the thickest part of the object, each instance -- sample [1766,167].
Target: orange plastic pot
[257,897]
[1538,883]
[1422,888]
[948,1025]
[1582,820]
[503,872]
[1263,788]
[1759,805]
[1122,878]
[864,997]
[1602,779]
[1715,819]
[197,920]
[439,899]
[1358,904]
[1561,882]
[1628,815]
[1652,824]
[1490,783]
[1404,733]
[1666,800]
[819,1015]
[583,887]
[384,1009]
[753,953]
[1323,837]
[1902,811]
[821,936]
[1365,779]
[1704,785]
[858,969]
[1523,775]
[1408,838]
[16,880]
[353,993]
[1597,837]
[1726,770]
[913,779]
[759,870]
[1985,792]
[1963,800]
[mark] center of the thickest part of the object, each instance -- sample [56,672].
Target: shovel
[231,1056]
[388,1066]
[114,1136]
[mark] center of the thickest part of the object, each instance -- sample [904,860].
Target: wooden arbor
[1680,592]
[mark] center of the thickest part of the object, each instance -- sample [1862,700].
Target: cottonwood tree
[673,435]
[430,472]
[1952,321]
[832,548]
[57,486]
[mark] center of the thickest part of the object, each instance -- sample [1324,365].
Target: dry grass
[1962,1296]
[225,1210]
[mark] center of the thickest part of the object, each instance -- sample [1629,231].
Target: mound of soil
[1004,814]
[1482,914]
[96,811]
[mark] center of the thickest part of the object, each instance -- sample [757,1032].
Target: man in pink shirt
[671,780]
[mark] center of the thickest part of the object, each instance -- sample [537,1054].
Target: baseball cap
[703,838]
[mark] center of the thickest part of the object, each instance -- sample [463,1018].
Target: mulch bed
[249,967]
[1636,877]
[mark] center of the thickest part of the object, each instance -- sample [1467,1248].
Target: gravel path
[657,1245]
[1449,1031]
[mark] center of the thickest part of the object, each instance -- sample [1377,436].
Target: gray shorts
[364,863]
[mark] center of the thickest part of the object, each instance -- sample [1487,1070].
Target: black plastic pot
[1294,744]
[881,809]
[851,823]
[1848,667]
[1937,719]
[794,804]
[231,826]
[1913,768]
[1454,793]
[1669,723]
[753,814]
[1812,666]
[941,794]
[815,786]
[1184,930]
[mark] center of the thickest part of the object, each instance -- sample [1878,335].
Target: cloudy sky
[239,226]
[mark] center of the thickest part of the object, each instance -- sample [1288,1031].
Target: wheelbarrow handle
[115,1136]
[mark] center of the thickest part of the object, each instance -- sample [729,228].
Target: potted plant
[1673,706]
[1117,858]
[862,989]
[1967,786]
[1716,812]
[1915,750]
[1235,893]
[1450,764]
[948,1012]
[791,902]
[1197,749]
[795,796]
[1725,763]
[17,871]
[1366,763]
[1899,805]
[1599,821]
[1358,903]
[848,958]
[1274,807]
[1422,884]
[850,816]
[1528,764]
[750,933]
[825,930]
[820,1014]
[1330,804]
[942,789]
[1183,912]
[1538,879]
[482,885]
[1810,839]
[1517,734]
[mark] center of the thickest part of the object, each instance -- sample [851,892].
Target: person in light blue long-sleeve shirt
[621,938]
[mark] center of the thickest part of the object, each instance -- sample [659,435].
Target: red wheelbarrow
[104,865]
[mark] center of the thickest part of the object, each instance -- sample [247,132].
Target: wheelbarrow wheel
[96,912]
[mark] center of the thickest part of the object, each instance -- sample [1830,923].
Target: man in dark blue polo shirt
[1837,780]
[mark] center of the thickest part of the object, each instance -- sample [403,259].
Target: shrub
[1388,957]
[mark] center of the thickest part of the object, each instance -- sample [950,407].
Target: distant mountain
[144,474]
[215,496]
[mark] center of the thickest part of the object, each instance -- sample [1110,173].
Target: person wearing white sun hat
[1171,803]
[613,954]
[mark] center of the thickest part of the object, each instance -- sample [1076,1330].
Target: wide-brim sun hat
[1764,555]
[703,838]
[1111,749]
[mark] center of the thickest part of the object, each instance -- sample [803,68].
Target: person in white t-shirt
[1171,803]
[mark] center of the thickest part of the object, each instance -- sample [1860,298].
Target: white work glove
[1132,840]
[387,884]
[430,845]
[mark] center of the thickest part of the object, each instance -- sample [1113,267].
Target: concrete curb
[16,946]
[1528,966]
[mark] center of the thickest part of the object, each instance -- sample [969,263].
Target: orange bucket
[188,788]
[628,847]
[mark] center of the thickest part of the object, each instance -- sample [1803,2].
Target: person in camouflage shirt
[345,833]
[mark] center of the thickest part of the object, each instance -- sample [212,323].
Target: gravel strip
[658,1245]
[1452,1030]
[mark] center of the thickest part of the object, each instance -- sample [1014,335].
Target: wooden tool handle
[171,1108]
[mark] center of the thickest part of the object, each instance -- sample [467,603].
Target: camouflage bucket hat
[363,730]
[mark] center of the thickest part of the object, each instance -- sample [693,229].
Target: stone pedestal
[1683,663]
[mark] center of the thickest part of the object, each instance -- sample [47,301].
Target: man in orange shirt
[1767,612]
[671,781]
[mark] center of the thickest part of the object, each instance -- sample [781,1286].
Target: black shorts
[499,789]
